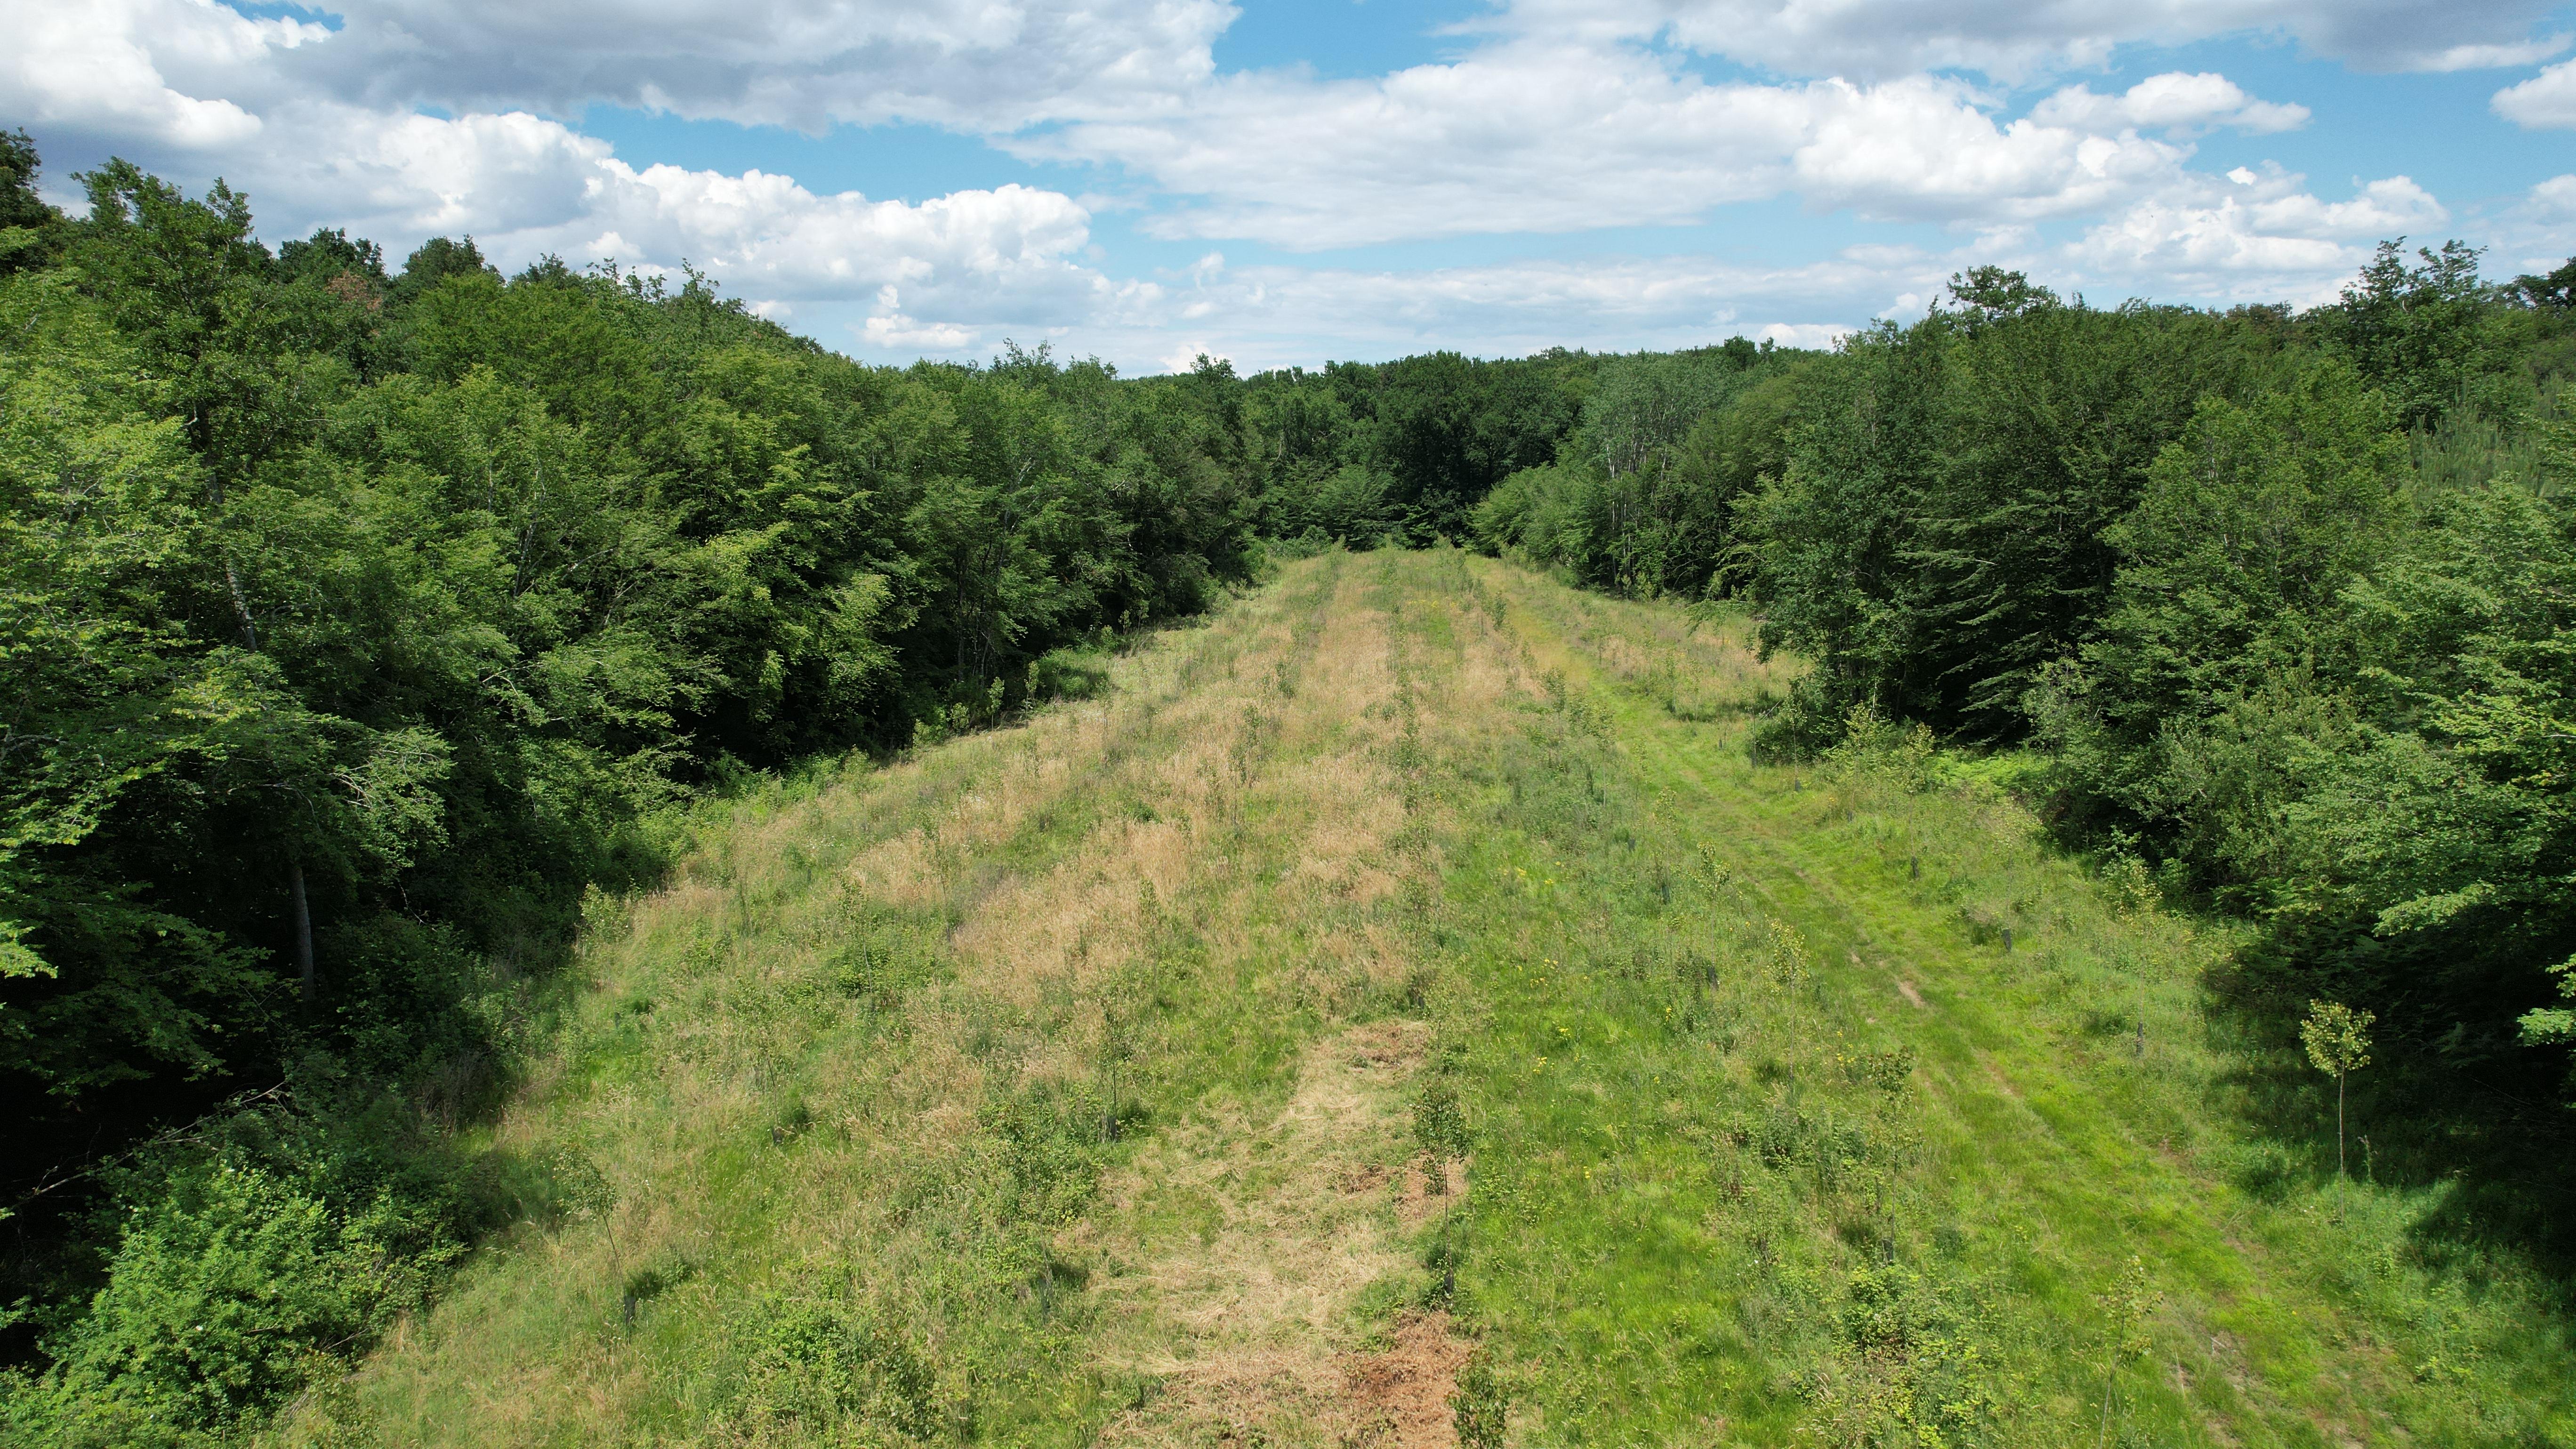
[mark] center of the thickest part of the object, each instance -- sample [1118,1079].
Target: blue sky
[1286,183]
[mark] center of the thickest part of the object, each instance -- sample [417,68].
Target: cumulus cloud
[2496,57]
[2016,40]
[2537,233]
[192,86]
[103,68]
[1514,139]
[2555,199]
[2547,100]
[2246,237]
[807,64]
[2171,102]
[1922,149]
[404,118]
[1274,315]
[1520,137]
[2257,236]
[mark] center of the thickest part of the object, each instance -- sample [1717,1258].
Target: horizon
[1267,185]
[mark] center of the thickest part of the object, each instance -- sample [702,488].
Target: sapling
[2338,1042]
[2127,1309]
[1480,1405]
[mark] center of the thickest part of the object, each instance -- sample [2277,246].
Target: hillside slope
[1396,1004]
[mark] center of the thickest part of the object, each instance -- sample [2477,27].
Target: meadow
[1399,1008]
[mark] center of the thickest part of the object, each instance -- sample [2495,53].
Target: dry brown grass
[1237,789]
[1247,1324]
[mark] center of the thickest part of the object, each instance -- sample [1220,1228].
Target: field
[1398,1006]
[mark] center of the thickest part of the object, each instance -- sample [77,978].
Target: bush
[1481,1405]
[828,1371]
[230,1294]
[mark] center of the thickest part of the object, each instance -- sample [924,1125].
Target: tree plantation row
[364,629]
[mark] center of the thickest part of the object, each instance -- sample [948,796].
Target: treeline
[355,620]
[2282,603]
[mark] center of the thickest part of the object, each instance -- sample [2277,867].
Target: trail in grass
[1906,1128]
[1059,1084]
[1051,1086]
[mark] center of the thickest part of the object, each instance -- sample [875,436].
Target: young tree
[27,222]
[2338,1042]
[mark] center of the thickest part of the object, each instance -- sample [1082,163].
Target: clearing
[1403,976]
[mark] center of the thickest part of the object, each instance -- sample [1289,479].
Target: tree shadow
[2483,1134]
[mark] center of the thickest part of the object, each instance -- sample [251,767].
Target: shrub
[1439,1122]
[231,1294]
[1480,1404]
[829,1371]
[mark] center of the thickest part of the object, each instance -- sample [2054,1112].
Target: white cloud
[1520,137]
[2255,238]
[193,86]
[1559,116]
[2019,39]
[2547,100]
[1272,316]
[103,66]
[1513,139]
[2173,101]
[2555,199]
[1924,150]
[1804,334]
[2538,232]
[806,64]
[2267,238]
[2496,57]
[895,332]
[1186,356]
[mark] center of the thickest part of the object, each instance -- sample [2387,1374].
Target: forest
[369,628]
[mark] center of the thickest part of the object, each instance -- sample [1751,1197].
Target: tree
[436,260]
[2416,332]
[2338,1042]
[1991,294]
[27,223]
[2555,291]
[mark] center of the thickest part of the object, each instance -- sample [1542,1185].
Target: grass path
[1071,1083]
[1966,1162]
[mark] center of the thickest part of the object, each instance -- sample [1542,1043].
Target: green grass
[1719,1199]
[1067,1083]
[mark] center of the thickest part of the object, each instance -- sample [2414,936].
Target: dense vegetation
[357,623]
[364,627]
[2279,602]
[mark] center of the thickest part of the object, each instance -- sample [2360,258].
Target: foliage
[2336,1038]
[1402,450]
[1480,1407]
[1638,500]
[392,613]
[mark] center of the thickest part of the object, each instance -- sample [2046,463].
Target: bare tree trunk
[303,930]
[241,607]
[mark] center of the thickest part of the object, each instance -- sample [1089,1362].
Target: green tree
[2419,332]
[29,227]
[2337,1040]
[2232,564]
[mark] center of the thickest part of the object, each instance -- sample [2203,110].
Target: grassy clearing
[1824,1100]
[978,1098]
[1407,965]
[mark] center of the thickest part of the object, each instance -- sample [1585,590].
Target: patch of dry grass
[808,1070]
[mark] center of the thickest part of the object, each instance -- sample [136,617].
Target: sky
[1286,183]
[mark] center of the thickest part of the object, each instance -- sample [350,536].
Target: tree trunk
[303,930]
[2339,1169]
